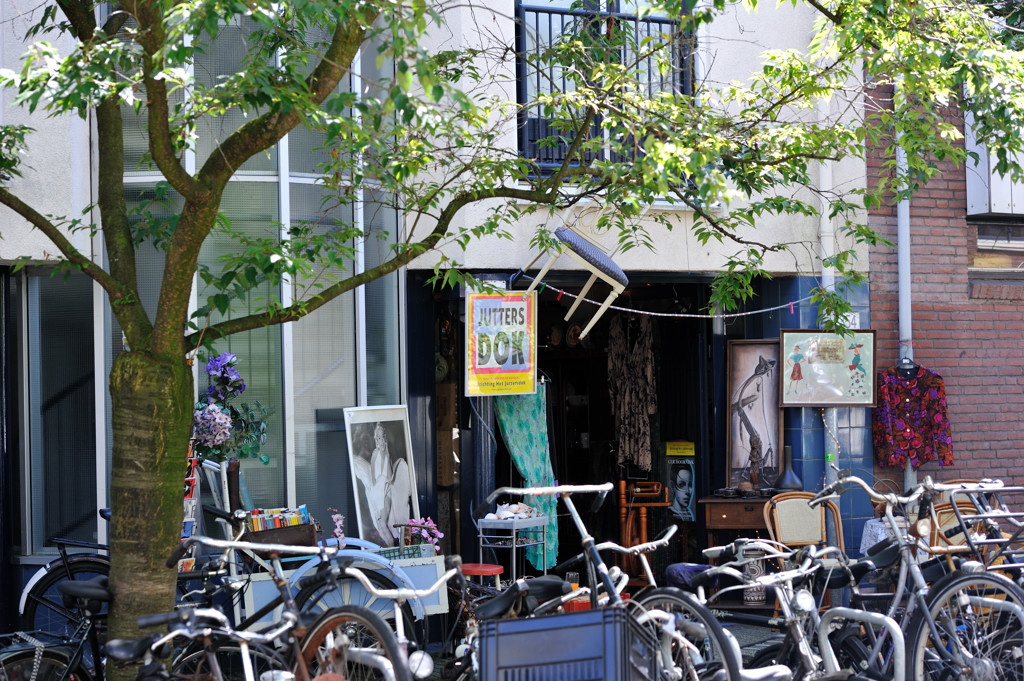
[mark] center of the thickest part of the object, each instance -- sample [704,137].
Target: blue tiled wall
[804,428]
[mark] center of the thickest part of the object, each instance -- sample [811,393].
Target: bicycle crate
[590,645]
[404,552]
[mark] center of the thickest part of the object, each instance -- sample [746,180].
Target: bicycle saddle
[528,592]
[86,594]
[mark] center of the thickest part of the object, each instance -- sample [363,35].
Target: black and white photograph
[383,474]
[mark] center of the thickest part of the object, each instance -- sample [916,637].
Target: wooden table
[733,514]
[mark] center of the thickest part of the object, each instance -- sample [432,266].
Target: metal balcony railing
[623,39]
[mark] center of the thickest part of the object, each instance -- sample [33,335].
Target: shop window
[61,439]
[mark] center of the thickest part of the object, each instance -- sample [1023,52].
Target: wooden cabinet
[733,514]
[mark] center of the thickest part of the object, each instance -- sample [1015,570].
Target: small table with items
[732,513]
[513,534]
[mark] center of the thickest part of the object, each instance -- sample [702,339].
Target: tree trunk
[152,422]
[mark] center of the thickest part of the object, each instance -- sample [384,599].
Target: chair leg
[579,298]
[597,315]
[542,273]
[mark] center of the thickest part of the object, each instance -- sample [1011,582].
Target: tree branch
[268,129]
[112,286]
[407,254]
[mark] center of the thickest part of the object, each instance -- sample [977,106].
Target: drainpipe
[906,317]
[827,239]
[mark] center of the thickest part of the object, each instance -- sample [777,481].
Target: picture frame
[383,471]
[754,438]
[680,476]
[823,369]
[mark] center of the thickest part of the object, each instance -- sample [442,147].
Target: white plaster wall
[730,51]
[47,181]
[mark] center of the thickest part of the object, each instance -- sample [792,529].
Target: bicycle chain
[38,659]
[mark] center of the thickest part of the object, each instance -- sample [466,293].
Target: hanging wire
[678,315]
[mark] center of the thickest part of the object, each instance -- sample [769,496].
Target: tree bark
[152,417]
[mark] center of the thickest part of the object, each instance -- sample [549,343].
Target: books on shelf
[270,518]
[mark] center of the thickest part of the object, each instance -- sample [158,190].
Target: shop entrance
[584,391]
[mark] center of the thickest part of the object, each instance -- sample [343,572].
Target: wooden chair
[791,521]
[592,258]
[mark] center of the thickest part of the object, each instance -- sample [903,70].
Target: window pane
[62,434]
[324,362]
[382,346]
[252,210]
[223,58]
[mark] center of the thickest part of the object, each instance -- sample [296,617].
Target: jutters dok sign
[501,344]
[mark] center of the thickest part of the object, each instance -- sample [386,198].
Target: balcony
[606,36]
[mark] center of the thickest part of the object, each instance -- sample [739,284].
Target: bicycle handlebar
[400,594]
[601,489]
[647,547]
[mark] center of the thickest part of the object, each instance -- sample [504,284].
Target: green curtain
[524,425]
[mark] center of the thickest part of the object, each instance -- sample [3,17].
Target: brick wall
[970,333]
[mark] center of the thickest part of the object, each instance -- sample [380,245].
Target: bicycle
[968,624]
[349,640]
[74,656]
[41,607]
[618,639]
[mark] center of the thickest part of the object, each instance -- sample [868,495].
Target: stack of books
[270,518]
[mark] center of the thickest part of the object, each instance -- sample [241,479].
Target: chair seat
[484,570]
[593,255]
[481,569]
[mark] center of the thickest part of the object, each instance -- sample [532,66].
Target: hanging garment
[910,422]
[524,426]
[631,387]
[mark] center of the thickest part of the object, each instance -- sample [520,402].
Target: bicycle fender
[45,570]
[369,561]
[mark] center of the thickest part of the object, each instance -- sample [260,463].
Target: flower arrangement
[222,429]
[424,531]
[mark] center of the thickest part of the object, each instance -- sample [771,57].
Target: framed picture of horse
[754,438]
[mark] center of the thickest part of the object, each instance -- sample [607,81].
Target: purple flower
[216,365]
[212,426]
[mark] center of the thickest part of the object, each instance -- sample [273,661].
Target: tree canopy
[434,136]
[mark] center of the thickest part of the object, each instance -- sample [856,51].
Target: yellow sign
[679,448]
[501,344]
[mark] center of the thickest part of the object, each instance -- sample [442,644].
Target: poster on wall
[822,369]
[383,471]
[680,475]
[501,344]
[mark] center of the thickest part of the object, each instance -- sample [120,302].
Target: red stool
[484,570]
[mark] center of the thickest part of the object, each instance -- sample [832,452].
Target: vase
[788,480]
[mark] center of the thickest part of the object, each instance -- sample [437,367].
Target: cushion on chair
[592,254]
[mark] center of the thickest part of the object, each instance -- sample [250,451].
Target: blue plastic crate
[591,645]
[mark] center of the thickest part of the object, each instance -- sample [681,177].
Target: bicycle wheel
[52,666]
[348,591]
[326,646]
[191,663]
[711,649]
[44,606]
[979,630]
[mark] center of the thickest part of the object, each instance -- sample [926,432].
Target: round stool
[484,570]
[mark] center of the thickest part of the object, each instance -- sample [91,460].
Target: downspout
[905,307]
[827,237]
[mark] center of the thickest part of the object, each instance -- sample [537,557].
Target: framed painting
[383,471]
[754,438]
[822,369]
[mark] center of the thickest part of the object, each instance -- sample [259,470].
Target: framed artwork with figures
[754,438]
[822,369]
